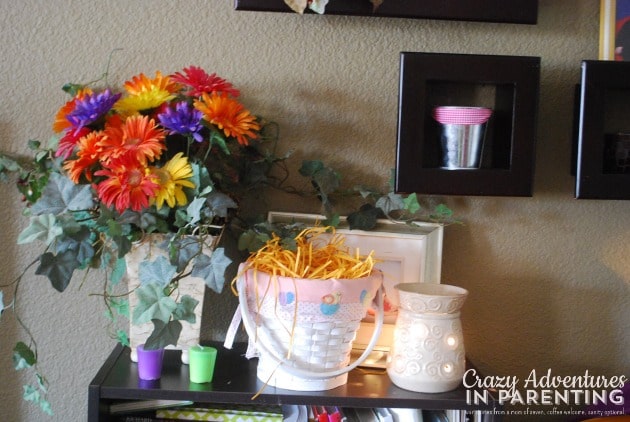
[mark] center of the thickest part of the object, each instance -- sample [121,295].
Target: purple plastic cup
[150,363]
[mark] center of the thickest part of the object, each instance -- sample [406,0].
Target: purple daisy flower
[183,119]
[91,107]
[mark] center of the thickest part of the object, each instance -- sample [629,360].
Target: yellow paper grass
[313,258]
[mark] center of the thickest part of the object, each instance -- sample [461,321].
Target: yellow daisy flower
[145,100]
[146,94]
[172,178]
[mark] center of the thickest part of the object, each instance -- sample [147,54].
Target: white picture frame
[408,253]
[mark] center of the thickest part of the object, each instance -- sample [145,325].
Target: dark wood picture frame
[512,11]
[431,79]
[603,109]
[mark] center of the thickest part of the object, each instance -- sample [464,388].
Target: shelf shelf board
[236,382]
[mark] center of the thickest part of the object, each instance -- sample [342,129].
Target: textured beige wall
[548,276]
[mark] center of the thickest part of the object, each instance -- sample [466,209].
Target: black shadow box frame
[508,84]
[511,11]
[604,111]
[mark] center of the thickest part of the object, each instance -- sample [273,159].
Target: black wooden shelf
[603,107]
[507,84]
[235,382]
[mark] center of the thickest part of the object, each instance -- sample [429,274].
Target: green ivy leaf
[120,305]
[72,89]
[118,271]
[442,212]
[41,383]
[181,218]
[257,173]
[212,269]
[69,223]
[184,250]
[163,334]
[8,164]
[327,180]
[193,211]
[114,228]
[80,243]
[45,406]
[62,195]
[251,241]
[310,167]
[152,304]
[123,244]
[122,337]
[390,202]
[58,268]
[126,218]
[186,309]
[52,144]
[365,218]
[411,203]
[159,272]
[31,394]
[216,138]
[289,243]
[43,227]
[23,356]
[366,192]
[324,179]
[333,220]
[201,178]
[218,205]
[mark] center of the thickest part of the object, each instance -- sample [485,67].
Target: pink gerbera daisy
[197,82]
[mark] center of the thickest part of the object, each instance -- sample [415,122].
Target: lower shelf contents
[292,413]
[117,394]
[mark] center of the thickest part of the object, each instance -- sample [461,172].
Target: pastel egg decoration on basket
[428,354]
[462,135]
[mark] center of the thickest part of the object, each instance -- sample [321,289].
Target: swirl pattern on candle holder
[428,351]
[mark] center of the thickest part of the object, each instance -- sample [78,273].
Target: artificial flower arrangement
[169,154]
[317,6]
[166,154]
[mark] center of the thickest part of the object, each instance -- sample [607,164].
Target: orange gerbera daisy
[140,83]
[127,184]
[229,115]
[138,137]
[88,154]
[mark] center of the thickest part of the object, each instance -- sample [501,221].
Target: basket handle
[250,327]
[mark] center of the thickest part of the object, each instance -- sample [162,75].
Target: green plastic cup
[201,363]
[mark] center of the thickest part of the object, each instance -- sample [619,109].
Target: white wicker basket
[304,345]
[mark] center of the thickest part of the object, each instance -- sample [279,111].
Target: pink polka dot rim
[461,115]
